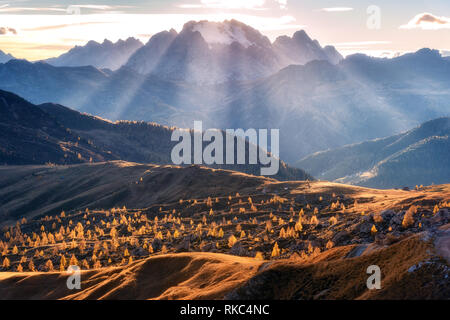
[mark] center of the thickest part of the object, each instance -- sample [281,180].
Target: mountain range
[106,55]
[207,52]
[94,184]
[317,106]
[203,52]
[321,106]
[51,133]
[419,156]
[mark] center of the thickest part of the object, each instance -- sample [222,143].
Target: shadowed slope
[40,190]
[419,156]
[52,133]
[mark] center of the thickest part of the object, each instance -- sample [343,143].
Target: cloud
[360,43]
[236,4]
[372,53]
[427,21]
[6,9]
[226,4]
[93,6]
[61,9]
[50,47]
[337,9]
[373,48]
[61,26]
[282,3]
[101,7]
[7,30]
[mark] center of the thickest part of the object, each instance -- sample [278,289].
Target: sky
[39,29]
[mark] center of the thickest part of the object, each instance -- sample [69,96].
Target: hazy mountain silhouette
[317,106]
[321,106]
[301,49]
[5,57]
[148,57]
[106,55]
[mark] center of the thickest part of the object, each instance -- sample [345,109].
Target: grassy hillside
[55,134]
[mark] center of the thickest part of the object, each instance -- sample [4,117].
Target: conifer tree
[275,251]
[73,261]
[329,244]
[6,263]
[373,230]
[231,241]
[408,219]
[259,256]
[435,209]
[31,266]
[49,265]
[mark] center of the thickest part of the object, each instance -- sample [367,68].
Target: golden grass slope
[172,276]
[414,268]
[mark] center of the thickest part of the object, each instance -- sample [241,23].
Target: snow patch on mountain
[222,33]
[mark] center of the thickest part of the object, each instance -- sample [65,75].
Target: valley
[209,219]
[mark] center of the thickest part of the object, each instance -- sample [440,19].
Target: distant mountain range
[321,106]
[212,52]
[106,55]
[317,106]
[419,156]
[5,57]
[51,133]
[203,52]
[301,49]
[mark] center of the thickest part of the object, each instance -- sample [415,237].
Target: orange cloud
[7,30]
[427,21]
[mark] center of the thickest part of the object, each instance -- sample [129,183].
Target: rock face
[335,279]
[387,214]
[301,49]
[185,245]
[239,250]
[147,58]
[442,216]
[341,237]
[157,244]
[210,52]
